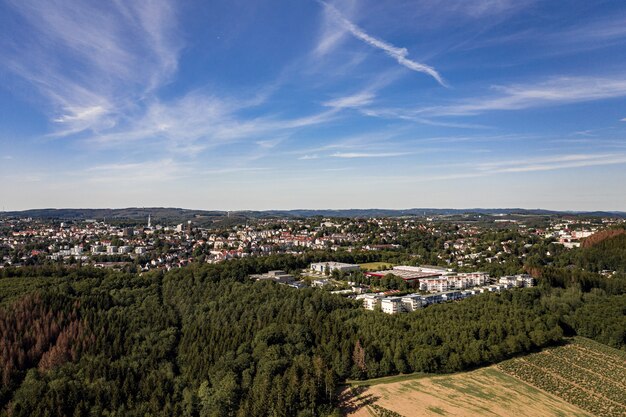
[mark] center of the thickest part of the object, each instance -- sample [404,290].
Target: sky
[253,105]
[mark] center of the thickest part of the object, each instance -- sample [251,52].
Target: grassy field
[375,266]
[583,372]
[483,392]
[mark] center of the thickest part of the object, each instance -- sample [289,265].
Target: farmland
[483,392]
[585,373]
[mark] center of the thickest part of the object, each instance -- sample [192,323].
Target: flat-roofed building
[451,296]
[438,284]
[407,273]
[425,269]
[370,301]
[412,302]
[474,279]
[392,305]
[277,276]
[522,280]
[432,299]
[323,267]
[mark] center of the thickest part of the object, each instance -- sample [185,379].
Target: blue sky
[313,104]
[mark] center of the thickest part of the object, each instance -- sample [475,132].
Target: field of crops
[485,392]
[587,374]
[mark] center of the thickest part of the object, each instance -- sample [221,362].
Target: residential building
[392,305]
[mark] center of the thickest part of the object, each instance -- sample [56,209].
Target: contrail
[399,54]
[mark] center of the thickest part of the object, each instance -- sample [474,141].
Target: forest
[204,340]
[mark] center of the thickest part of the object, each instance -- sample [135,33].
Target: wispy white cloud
[269,143]
[331,35]
[514,166]
[308,157]
[352,155]
[489,7]
[199,121]
[623,120]
[556,91]
[91,60]
[552,163]
[594,34]
[399,54]
[166,169]
[233,170]
[415,116]
[356,100]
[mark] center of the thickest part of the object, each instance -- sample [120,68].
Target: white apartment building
[412,302]
[370,301]
[392,305]
[438,284]
[521,281]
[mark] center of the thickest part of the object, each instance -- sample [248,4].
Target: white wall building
[521,281]
[392,305]
[412,302]
[438,284]
[322,267]
[370,301]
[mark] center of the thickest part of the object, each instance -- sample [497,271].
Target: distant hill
[157,214]
[171,214]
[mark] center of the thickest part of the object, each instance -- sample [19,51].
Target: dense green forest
[206,341]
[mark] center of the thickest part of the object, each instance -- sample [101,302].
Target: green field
[375,266]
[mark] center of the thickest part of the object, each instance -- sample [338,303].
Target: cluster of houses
[412,302]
